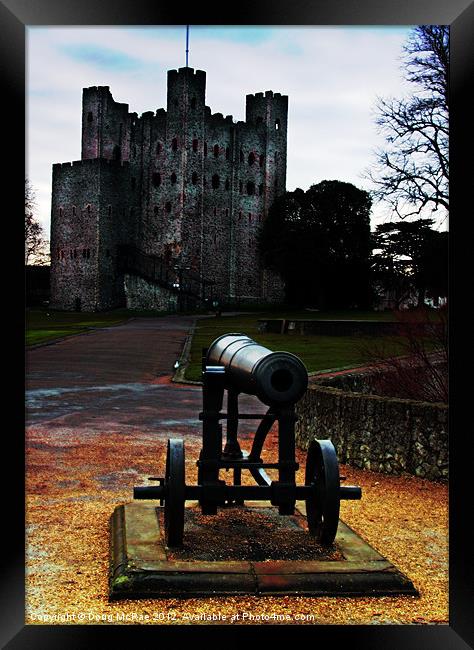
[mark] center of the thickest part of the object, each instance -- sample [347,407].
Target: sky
[332,76]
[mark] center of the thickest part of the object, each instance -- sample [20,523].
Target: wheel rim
[322,508]
[175,489]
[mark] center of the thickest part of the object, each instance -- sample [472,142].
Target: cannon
[235,364]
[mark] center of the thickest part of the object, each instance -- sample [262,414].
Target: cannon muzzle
[274,377]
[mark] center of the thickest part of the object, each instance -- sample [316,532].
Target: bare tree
[36,246]
[411,172]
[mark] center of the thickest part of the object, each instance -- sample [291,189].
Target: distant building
[166,207]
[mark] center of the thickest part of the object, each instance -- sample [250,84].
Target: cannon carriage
[236,364]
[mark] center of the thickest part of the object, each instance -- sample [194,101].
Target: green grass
[316,352]
[43,325]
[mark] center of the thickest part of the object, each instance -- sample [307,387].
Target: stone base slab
[140,566]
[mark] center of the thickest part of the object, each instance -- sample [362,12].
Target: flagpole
[187,44]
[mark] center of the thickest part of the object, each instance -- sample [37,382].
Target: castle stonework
[167,206]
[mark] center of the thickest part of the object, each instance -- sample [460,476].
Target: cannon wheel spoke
[175,493]
[322,508]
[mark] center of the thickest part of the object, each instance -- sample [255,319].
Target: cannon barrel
[274,377]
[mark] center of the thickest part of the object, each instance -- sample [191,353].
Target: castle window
[73,210]
[84,252]
[195,145]
[262,159]
[194,178]
[259,119]
[60,212]
[215,181]
[240,187]
[227,184]
[250,188]
[174,144]
[227,153]
[168,207]
[88,209]
[90,117]
[215,212]
[116,154]
[251,158]
[277,124]
[133,183]
[88,253]
[134,151]
[250,217]
[193,102]
[260,189]
[173,178]
[205,148]
[110,210]
[158,148]
[241,156]
[75,253]
[70,253]
[156,179]
[216,151]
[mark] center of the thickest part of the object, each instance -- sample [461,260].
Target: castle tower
[187,189]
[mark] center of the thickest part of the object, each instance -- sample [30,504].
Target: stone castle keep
[163,210]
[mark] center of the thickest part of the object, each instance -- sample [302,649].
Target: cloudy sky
[332,76]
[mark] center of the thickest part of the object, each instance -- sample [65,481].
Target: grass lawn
[316,352]
[44,325]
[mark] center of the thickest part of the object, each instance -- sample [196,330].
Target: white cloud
[331,75]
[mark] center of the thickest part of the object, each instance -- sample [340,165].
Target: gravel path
[99,410]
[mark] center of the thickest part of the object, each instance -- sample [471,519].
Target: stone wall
[140,294]
[382,434]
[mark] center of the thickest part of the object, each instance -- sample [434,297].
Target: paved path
[113,379]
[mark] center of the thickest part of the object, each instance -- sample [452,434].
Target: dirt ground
[100,408]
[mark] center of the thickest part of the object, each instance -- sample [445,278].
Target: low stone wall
[382,434]
[340,327]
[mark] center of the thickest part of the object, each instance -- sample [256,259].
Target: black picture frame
[15,16]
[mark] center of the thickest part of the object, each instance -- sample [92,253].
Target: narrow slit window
[168,207]
[156,179]
[173,178]
[195,145]
[194,178]
[174,144]
[277,124]
[215,181]
[216,151]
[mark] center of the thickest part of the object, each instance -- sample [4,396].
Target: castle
[163,210]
